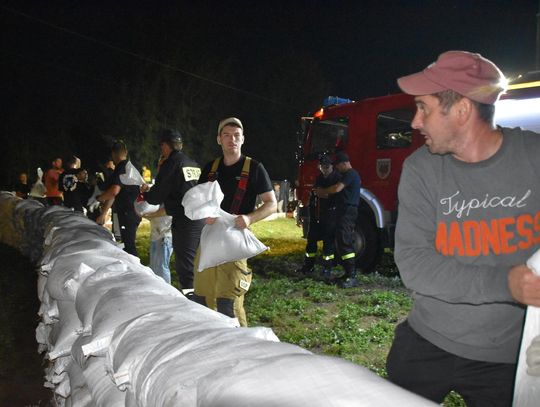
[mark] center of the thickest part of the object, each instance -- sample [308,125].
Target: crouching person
[241,180]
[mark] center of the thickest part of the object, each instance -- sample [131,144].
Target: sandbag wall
[114,334]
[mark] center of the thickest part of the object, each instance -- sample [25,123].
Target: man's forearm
[263,211]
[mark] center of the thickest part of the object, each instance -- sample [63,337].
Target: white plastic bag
[527,387]
[223,242]
[132,176]
[143,207]
[203,201]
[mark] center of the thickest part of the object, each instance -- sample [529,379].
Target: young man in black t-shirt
[241,179]
[121,197]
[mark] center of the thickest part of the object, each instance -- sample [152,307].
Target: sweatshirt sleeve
[163,186]
[422,268]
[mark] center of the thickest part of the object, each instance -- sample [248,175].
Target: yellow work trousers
[227,282]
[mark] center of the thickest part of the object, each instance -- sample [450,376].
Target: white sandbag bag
[48,310]
[65,278]
[132,176]
[130,341]
[42,281]
[203,201]
[223,242]
[122,304]
[527,386]
[76,350]
[42,336]
[113,276]
[38,189]
[93,246]
[65,331]
[182,362]
[298,380]
[142,207]
[103,391]
[80,395]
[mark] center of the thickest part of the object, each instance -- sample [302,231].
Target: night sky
[63,62]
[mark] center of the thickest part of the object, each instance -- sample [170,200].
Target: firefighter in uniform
[121,197]
[348,196]
[177,174]
[241,180]
[322,224]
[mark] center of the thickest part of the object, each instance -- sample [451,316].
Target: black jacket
[177,175]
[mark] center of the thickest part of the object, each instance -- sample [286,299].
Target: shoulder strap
[242,186]
[213,170]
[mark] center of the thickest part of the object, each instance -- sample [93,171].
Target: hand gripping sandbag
[203,201]
[527,387]
[142,207]
[223,242]
[131,176]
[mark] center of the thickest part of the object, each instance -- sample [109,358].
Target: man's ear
[218,140]
[464,108]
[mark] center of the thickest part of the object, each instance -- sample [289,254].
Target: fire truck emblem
[384,166]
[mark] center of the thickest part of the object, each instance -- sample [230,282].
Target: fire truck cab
[377,135]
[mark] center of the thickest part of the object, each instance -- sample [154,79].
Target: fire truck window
[394,129]
[327,136]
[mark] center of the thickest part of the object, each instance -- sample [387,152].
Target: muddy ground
[21,367]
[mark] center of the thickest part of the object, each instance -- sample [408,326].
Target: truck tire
[367,243]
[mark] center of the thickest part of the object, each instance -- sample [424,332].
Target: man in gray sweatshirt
[469,218]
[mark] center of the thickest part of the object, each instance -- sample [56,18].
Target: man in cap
[177,174]
[469,211]
[322,221]
[241,179]
[121,198]
[347,191]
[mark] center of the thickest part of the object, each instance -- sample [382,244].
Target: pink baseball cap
[471,75]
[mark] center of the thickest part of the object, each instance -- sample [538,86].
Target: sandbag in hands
[132,176]
[221,242]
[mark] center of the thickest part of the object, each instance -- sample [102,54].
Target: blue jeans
[160,255]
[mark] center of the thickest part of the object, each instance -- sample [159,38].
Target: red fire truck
[377,136]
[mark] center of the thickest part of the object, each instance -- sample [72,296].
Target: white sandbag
[38,189]
[113,276]
[142,207]
[298,380]
[223,242]
[122,304]
[42,336]
[65,331]
[80,395]
[103,391]
[527,386]
[64,279]
[203,201]
[130,341]
[181,362]
[92,247]
[42,281]
[48,310]
[76,350]
[132,176]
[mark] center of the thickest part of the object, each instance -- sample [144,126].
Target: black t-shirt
[350,195]
[228,176]
[76,193]
[123,202]
[22,189]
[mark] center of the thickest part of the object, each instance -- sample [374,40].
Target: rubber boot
[351,281]
[308,268]
[326,272]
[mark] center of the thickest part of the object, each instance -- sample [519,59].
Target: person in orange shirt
[53,195]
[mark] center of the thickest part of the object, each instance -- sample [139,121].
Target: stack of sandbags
[114,334]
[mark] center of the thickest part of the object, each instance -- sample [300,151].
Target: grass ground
[356,324]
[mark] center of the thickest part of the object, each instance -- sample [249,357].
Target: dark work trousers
[129,222]
[421,367]
[345,225]
[186,234]
[321,229]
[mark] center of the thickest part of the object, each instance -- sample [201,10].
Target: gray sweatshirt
[460,229]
